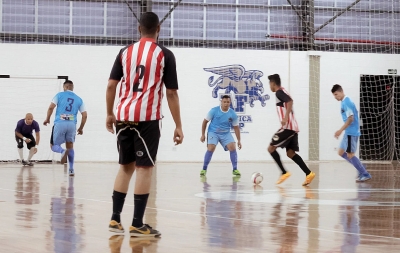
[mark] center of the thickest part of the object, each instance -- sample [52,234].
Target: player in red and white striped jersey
[143,68]
[287,135]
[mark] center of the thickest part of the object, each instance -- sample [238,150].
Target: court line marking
[219,217]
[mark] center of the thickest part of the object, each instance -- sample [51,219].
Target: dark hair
[275,78]
[226,96]
[68,82]
[149,22]
[336,87]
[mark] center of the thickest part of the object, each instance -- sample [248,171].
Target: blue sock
[207,159]
[234,159]
[357,164]
[57,149]
[71,155]
[345,156]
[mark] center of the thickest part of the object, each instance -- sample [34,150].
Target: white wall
[89,68]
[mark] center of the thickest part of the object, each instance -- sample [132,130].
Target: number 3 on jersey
[138,78]
[70,103]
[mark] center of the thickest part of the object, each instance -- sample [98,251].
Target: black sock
[297,159]
[118,204]
[278,161]
[140,207]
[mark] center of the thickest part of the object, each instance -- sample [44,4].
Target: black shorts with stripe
[286,138]
[138,142]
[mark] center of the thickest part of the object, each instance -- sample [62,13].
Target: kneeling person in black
[23,133]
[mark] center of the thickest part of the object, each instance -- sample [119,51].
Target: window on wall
[18,16]
[199,20]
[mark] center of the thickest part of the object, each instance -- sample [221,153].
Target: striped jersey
[143,68]
[282,98]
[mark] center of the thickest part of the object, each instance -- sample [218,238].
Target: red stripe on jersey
[127,80]
[145,81]
[157,79]
[136,79]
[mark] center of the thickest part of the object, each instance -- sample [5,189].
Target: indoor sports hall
[221,47]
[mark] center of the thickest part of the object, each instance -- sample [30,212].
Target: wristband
[24,138]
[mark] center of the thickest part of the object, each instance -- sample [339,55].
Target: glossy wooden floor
[44,210]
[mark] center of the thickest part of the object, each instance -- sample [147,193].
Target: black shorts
[138,142]
[20,142]
[285,138]
[51,136]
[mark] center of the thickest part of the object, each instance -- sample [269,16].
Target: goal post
[27,94]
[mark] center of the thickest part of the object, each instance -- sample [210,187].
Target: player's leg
[278,140]
[51,138]
[32,149]
[291,148]
[212,141]
[347,149]
[352,142]
[229,143]
[58,139]
[70,139]
[126,150]
[146,141]
[20,147]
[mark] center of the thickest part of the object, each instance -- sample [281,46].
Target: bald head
[29,118]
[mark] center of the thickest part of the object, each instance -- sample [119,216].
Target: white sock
[31,153]
[21,153]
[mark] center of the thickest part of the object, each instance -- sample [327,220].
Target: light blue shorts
[64,132]
[349,143]
[223,138]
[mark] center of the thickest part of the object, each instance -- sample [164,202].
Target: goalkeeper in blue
[351,129]
[222,118]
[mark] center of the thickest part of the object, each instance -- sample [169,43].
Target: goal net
[22,95]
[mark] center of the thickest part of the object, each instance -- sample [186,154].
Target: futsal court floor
[45,210]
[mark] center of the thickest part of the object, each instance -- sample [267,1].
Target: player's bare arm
[110,97]
[288,111]
[27,140]
[237,133]
[83,122]
[174,107]
[203,130]
[349,120]
[49,113]
[37,138]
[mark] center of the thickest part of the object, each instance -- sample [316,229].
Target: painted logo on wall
[244,87]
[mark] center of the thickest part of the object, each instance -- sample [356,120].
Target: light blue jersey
[348,108]
[221,122]
[68,105]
